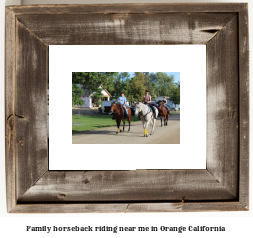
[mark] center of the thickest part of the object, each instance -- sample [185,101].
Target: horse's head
[113,107]
[137,109]
[160,106]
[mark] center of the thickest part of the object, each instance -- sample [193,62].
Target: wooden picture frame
[222,186]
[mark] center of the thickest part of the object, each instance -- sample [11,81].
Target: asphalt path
[162,135]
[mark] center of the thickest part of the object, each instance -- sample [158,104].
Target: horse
[120,115]
[146,116]
[163,112]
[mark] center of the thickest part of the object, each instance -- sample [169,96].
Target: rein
[118,108]
[121,110]
[144,116]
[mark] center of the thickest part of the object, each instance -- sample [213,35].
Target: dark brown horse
[120,115]
[163,112]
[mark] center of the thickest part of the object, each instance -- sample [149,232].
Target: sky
[176,75]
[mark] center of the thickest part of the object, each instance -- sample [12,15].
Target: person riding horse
[165,103]
[147,100]
[122,101]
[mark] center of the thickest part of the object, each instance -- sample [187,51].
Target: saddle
[124,110]
[121,109]
[150,110]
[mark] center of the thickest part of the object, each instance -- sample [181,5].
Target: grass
[95,122]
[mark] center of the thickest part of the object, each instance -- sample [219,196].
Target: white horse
[146,115]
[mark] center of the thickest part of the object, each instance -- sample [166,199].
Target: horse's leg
[153,125]
[144,126]
[123,125]
[118,125]
[129,119]
[161,120]
[147,127]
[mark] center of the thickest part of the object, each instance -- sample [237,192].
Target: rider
[165,102]
[122,101]
[147,100]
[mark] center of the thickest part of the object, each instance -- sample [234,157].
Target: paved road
[162,135]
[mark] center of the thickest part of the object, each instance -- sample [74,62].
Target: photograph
[119,108]
[125,107]
[199,160]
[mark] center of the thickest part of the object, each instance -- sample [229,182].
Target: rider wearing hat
[147,100]
[122,101]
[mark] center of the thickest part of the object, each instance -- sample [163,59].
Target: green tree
[119,84]
[147,82]
[97,96]
[175,93]
[76,93]
[154,87]
[149,79]
[92,80]
[135,89]
[164,83]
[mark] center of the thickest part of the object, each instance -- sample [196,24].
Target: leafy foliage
[163,84]
[76,93]
[135,88]
[97,96]
[119,84]
[175,94]
[92,80]
[158,84]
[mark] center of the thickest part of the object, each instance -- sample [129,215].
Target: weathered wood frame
[222,186]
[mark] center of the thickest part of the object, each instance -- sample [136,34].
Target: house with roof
[87,97]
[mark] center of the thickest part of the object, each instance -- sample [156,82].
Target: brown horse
[120,115]
[163,112]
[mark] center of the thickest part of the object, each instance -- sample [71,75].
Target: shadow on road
[111,132]
[98,132]
[76,133]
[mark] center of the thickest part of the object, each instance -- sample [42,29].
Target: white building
[87,97]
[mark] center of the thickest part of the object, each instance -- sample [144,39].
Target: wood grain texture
[30,108]
[222,107]
[186,207]
[125,29]
[140,185]
[155,8]
[244,106]
[223,186]
[129,207]
[9,108]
